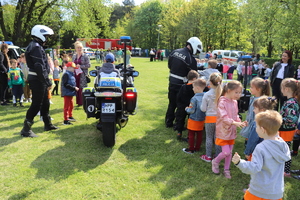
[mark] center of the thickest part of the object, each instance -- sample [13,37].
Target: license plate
[108,108]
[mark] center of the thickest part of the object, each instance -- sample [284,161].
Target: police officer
[38,79]
[181,61]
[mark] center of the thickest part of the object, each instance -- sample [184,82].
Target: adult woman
[119,55]
[82,61]
[283,69]
[4,67]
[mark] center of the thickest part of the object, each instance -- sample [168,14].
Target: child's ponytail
[216,80]
[263,85]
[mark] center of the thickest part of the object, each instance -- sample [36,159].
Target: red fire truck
[96,43]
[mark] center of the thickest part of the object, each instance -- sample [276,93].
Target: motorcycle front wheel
[109,133]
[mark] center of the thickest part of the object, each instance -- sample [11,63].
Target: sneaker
[227,174]
[15,105]
[288,175]
[67,122]
[29,100]
[179,135]
[187,150]
[297,171]
[293,153]
[71,119]
[50,102]
[215,167]
[205,158]
[21,105]
[297,177]
[4,104]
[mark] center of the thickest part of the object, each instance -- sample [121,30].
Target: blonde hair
[294,86]
[261,84]
[213,64]
[78,44]
[231,85]
[265,103]
[270,120]
[216,80]
[199,83]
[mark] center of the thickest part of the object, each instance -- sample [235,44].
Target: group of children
[268,133]
[225,67]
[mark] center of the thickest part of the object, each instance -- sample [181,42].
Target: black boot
[26,131]
[48,125]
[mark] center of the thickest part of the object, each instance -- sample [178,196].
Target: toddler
[16,82]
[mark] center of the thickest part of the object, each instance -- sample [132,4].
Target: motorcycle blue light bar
[125,38]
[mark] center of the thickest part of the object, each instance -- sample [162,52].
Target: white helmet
[40,31]
[196,44]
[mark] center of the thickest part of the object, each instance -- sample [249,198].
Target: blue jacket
[194,108]
[250,118]
[253,139]
[68,84]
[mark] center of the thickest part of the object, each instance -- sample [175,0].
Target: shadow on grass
[7,141]
[82,151]
[182,174]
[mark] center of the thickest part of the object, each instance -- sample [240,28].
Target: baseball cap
[110,57]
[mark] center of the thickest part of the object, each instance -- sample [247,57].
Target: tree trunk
[270,48]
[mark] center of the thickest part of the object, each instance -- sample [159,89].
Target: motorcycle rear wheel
[109,133]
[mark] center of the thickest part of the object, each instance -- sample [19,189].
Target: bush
[271,61]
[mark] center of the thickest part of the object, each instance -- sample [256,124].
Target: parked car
[231,55]
[90,52]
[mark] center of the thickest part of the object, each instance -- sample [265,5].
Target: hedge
[271,61]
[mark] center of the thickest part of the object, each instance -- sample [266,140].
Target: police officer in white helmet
[180,62]
[38,78]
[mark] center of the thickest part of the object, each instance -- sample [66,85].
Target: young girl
[225,69]
[290,114]
[209,106]
[227,121]
[258,88]
[56,71]
[261,104]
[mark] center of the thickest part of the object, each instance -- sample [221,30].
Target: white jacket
[208,103]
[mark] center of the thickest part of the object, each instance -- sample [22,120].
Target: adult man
[38,79]
[180,62]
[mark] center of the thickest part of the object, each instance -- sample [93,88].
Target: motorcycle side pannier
[89,101]
[131,100]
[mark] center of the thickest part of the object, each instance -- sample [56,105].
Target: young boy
[108,68]
[16,82]
[68,90]
[268,159]
[205,74]
[25,70]
[183,100]
[196,118]
[220,66]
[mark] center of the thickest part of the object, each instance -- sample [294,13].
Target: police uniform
[39,82]
[181,61]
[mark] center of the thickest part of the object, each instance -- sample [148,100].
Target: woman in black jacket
[283,69]
[4,67]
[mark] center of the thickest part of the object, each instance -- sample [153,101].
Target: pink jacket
[226,114]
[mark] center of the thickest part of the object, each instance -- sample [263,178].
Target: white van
[90,52]
[231,55]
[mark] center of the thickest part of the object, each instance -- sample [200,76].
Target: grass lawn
[147,161]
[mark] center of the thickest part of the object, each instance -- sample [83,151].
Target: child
[183,100]
[248,72]
[227,121]
[258,88]
[230,70]
[212,64]
[220,66]
[56,71]
[297,73]
[68,91]
[196,118]
[225,69]
[290,114]
[25,70]
[255,69]
[267,71]
[266,167]
[16,82]
[239,71]
[261,104]
[205,64]
[209,106]
[108,68]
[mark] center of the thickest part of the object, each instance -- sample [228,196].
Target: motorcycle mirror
[93,73]
[135,74]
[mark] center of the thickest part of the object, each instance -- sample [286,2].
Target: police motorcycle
[112,99]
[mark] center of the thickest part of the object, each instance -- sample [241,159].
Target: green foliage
[146,163]
[271,61]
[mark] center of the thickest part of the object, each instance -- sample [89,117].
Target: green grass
[146,163]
